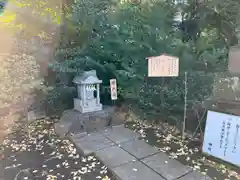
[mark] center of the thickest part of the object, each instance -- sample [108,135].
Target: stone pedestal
[73,121]
[90,107]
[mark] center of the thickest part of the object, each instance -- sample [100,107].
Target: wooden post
[237,30]
[162,92]
[185,105]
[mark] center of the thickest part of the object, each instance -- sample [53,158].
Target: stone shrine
[88,114]
[88,99]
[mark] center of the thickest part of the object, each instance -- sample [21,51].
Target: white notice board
[163,66]
[222,137]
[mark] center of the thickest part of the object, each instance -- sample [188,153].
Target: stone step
[115,156]
[195,176]
[90,143]
[170,169]
[139,148]
[119,134]
[135,171]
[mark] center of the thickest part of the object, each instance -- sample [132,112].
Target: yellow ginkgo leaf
[7,17]
[106,178]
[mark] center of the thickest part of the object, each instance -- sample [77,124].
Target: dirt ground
[187,152]
[35,152]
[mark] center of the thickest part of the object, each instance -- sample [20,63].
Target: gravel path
[36,153]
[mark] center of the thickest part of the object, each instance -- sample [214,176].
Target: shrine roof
[88,77]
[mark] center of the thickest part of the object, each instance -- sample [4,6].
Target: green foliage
[59,98]
[221,15]
[2,5]
[115,39]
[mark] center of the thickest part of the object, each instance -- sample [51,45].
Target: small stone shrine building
[88,89]
[88,115]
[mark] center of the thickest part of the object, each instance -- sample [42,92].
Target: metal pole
[185,105]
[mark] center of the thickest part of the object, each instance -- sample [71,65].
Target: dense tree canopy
[116,37]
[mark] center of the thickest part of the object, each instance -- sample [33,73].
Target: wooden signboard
[113,87]
[234,60]
[163,66]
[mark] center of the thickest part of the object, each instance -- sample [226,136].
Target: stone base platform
[74,122]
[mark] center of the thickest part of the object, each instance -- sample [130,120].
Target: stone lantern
[88,99]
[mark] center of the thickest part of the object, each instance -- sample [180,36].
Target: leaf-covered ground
[185,151]
[35,152]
